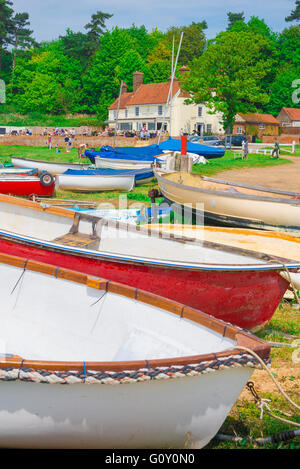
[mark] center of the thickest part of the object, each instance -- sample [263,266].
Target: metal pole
[171,86]
[116,127]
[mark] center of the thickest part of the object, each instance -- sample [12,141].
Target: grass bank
[244,419]
[140,193]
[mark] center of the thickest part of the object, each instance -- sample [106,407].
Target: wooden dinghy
[231,203]
[51,167]
[95,364]
[240,286]
[27,185]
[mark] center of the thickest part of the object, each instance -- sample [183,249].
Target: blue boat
[148,154]
[202,150]
[141,176]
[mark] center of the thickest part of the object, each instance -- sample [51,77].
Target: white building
[146,107]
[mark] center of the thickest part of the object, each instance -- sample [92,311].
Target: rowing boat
[231,203]
[271,243]
[94,364]
[93,182]
[141,176]
[236,285]
[27,185]
[52,167]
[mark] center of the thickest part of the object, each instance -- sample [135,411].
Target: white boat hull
[96,364]
[156,414]
[262,211]
[92,183]
[114,163]
[52,168]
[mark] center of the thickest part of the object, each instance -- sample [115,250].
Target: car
[235,140]
[207,140]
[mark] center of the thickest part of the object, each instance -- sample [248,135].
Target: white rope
[269,373]
[291,283]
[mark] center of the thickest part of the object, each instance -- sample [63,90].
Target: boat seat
[76,239]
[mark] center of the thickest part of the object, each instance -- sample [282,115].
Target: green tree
[228,77]
[288,46]
[101,81]
[95,29]
[6,26]
[282,90]
[234,17]
[48,82]
[295,14]
[21,35]
[75,45]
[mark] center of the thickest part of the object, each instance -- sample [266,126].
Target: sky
[50,18]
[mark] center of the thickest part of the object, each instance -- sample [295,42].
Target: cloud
[51,18]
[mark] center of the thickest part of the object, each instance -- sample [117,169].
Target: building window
[125,125]
[115,115]
[200,111]
[209,128]
[160,110]
[151,125]
[137,111]
[126,113]
[239,130]
[262,126]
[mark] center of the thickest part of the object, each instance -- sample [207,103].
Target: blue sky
[50,18]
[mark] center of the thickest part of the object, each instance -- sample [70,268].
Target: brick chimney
[124,88]
[137,80]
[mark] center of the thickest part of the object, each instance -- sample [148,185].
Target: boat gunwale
[51,163]
[242,337]
[236,195]
[271,262]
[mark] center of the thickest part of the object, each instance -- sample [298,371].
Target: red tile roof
[293,113]
[153,93]
[125,97]
[256,118]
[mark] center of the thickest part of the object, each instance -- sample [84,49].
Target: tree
[96,28]
[282,90]
[75,45]
[48,82]
[234,17]
[288,46]
[295,14]
[22,38]
[101,81]
[228,77]
[6,26]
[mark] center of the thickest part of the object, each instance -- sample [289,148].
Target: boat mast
[170,120]
[117,117]
[170,95]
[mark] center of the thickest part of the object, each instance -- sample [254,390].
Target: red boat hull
[26,188]
[243,298]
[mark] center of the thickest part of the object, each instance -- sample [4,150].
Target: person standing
[246,149]
[49,142]
[276,150]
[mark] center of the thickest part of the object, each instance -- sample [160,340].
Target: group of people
[68,144]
